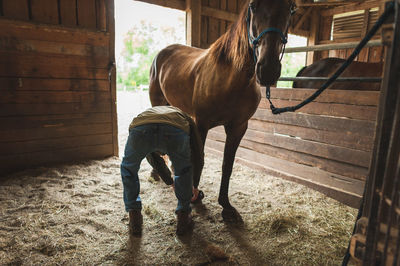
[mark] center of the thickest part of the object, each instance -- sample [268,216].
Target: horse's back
[328,66]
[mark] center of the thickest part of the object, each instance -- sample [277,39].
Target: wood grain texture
[45,11]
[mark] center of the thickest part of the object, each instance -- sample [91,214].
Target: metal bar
[333,46]
[344,79]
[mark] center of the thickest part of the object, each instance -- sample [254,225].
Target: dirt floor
[74,215]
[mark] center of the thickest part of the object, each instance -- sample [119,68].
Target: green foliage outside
[141,45]
[291,64]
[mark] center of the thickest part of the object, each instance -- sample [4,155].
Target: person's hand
[195,194]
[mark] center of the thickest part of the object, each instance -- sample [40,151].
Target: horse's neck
[233,49]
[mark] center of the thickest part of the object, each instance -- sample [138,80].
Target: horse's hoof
[231,215]
[199,197]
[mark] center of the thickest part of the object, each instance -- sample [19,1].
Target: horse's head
[268,23]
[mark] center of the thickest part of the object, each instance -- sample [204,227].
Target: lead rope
[388,10]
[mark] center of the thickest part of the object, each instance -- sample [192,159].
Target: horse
[219,85]
[327,66]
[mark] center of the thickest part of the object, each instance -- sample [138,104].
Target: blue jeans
[163,138]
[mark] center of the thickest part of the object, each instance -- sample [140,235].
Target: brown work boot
[135,222]
[185,223]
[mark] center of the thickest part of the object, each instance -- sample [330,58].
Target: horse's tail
[153,69]
[295,84]
[157,97]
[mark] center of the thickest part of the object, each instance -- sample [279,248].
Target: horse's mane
[232,46]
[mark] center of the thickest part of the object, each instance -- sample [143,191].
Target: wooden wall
[326,145]
[213,27]
[57,100]
[349,29]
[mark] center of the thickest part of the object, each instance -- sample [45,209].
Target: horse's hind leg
[234,135]
[157,97]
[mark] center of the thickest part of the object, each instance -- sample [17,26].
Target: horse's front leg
[234,135]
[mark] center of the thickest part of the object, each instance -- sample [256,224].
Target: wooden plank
[52,109]
[29,31]
[101,15]
[49,121]
[51,47]
[213,24]
[13,148]
[219,14]
[328,165]
[86,13]
[193,23]
[45,11]
[327,151]
[86,97]
[45,158]
[50,67]
[333,124]
[344,189]
[16,9]
[223,23]
[331,109]
[367,98]
[351,7]
[204,32]
[352,140]
[33,84]
[326,123]
[313,37]
[375,54]
[54,60]
[176,4]
[56,131]
[68,13]
[112,78]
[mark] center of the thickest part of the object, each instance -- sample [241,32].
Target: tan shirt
[175,117]
[162,115]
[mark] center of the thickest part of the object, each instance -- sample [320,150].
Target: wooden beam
[176,4]
[302,19]
[112,75]
[331,46]
[219,14]
[193,23]
[313,37]
[326,4]
[351,7]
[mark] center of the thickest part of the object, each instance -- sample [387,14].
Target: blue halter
[255,41]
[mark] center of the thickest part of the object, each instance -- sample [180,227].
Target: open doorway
[141,31]
[292,62]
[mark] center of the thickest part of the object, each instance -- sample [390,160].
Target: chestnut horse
[327,66]
[218,85]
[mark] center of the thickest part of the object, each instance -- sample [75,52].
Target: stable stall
[58,99]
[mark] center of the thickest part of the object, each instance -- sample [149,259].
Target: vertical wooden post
[193,23]
[110,22]
[313,37]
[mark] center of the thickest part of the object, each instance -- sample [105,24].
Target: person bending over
[167,130]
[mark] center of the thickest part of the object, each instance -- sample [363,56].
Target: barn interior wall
[57,99]
[364,22]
